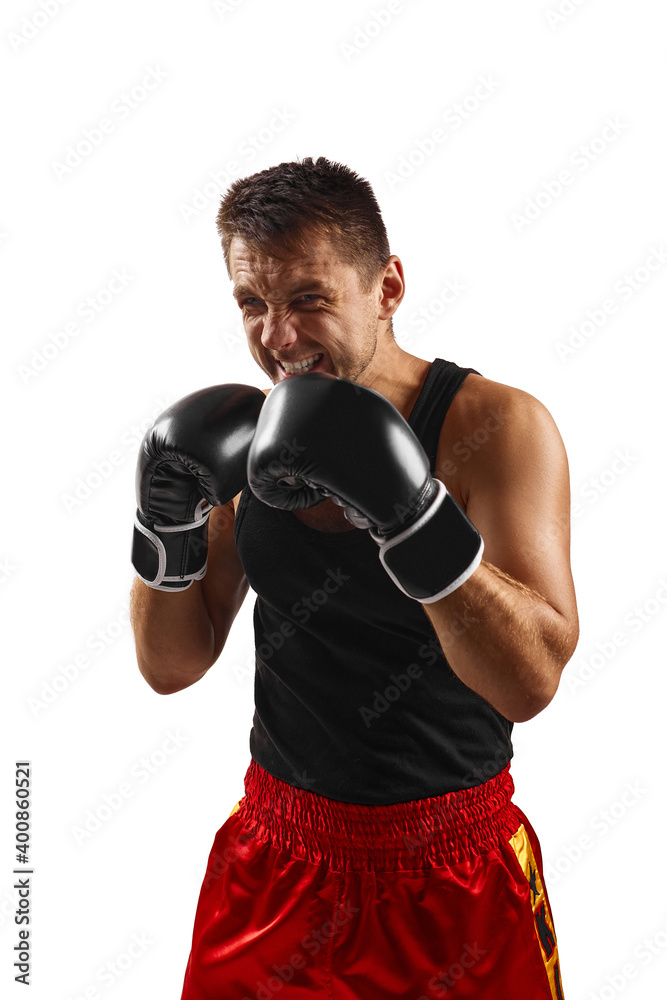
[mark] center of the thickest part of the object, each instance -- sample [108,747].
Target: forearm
[173,635]
[504,641]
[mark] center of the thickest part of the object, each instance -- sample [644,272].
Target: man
[415,600]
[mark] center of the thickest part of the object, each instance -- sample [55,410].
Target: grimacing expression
[304,314]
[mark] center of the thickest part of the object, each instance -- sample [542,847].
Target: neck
[397,375]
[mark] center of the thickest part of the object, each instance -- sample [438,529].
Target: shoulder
[479,398]
[493,430]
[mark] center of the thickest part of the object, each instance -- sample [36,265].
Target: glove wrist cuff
[434,556]
[171,557]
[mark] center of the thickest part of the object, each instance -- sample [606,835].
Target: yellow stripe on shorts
[235,809]
[544,927]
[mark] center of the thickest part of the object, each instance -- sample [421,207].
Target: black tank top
[354,699]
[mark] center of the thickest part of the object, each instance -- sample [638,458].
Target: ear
[391,288]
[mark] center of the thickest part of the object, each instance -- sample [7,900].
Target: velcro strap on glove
[436,554]
[171,557]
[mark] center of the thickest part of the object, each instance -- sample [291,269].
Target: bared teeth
[298,366]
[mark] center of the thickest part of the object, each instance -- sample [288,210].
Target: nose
[277,332]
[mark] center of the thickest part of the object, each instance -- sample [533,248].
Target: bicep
[225,585]
[519,501]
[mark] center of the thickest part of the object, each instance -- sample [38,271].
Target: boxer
[404,525]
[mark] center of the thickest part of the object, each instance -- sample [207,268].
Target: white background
[367,94]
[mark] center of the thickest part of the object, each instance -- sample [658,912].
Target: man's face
[305,314]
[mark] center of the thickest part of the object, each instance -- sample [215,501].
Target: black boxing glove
[192,459]
[349,443]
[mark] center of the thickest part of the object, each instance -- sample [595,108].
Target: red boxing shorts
[305,896]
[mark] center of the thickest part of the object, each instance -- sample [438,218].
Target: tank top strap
[443,380]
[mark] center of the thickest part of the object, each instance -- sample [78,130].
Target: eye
[250,302]
[308,298]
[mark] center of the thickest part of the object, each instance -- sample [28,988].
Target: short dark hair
[280,209]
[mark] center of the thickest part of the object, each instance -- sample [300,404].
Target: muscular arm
[509,630]
[179,636]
